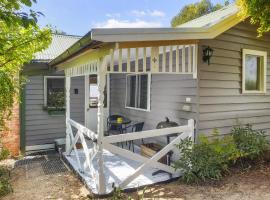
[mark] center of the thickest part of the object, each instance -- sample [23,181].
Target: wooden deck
[116,169]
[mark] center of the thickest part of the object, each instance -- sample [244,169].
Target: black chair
[138,127]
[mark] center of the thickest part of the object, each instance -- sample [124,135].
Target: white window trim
[264,76]
[148,92]
[45,86]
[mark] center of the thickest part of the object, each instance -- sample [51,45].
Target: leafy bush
[5,187]
[209,159]
[206,160]
[250,143]
[4,153]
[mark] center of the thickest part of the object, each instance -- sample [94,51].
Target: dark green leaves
[258,12]
[10,12]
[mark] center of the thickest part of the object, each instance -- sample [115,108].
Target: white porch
[116,169]
[100,161]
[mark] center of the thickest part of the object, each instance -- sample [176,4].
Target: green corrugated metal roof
[59,44]
[211,19]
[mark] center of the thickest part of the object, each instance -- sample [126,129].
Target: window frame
[263,75]
[45,88]
[148,109]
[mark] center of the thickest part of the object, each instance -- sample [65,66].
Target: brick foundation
[11,137]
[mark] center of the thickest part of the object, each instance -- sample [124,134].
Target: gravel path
[44,177]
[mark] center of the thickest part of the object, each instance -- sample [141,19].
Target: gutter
[85,42]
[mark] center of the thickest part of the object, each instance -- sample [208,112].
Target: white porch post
[101,78]
[67,86]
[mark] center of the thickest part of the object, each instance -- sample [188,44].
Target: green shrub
[5,187]
[4,154]
[206,160]
[250,143]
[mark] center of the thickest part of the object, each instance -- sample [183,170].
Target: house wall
[40,127]
[168,96]
[221,101]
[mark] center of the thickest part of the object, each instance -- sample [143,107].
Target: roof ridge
[208,14]
[67,35]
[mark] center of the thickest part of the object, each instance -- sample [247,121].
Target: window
[54,92]
[254,71]
[138,91]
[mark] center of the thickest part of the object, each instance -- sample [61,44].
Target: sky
[77,17]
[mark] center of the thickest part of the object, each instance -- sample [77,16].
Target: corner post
[192,129]
[67,87]
[101,78]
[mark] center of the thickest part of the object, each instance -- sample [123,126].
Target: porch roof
[205,27]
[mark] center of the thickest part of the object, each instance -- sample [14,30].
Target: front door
[91,92]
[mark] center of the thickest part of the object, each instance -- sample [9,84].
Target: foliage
[206,160]
[193,11]
[209,159]
[4,153]
[58,31]
[56,99]
[11,14]
[119,195]
[5,187]
[258,11]
[20,39]
[250,143]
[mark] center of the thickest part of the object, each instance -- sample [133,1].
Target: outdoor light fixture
[207,54]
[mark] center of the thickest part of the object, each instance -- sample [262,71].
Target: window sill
[254,92]
[138,109]
[55,111]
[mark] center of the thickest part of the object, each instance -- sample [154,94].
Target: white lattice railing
[184,132]
[78,132]
[108,143]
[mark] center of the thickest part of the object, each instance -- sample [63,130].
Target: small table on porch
[125,121]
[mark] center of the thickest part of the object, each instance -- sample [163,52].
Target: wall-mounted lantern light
[207,54]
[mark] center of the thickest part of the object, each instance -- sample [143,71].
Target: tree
[258,11]
[20,39]
[58,31]
[194,10]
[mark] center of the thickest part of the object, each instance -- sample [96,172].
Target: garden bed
[251,184]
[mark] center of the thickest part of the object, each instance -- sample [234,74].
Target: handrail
[87,132]
[147,134]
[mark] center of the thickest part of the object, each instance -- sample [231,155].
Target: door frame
[86,98]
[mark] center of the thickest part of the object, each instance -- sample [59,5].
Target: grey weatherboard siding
[216,96]
[168,95]
[221,101]
[40,127]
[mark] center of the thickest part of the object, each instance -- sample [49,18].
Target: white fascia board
[147,34]
[157,34]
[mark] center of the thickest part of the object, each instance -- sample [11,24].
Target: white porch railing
[82,133]
[108,143]
[185,131]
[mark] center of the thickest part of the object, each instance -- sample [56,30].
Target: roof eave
[81,44]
